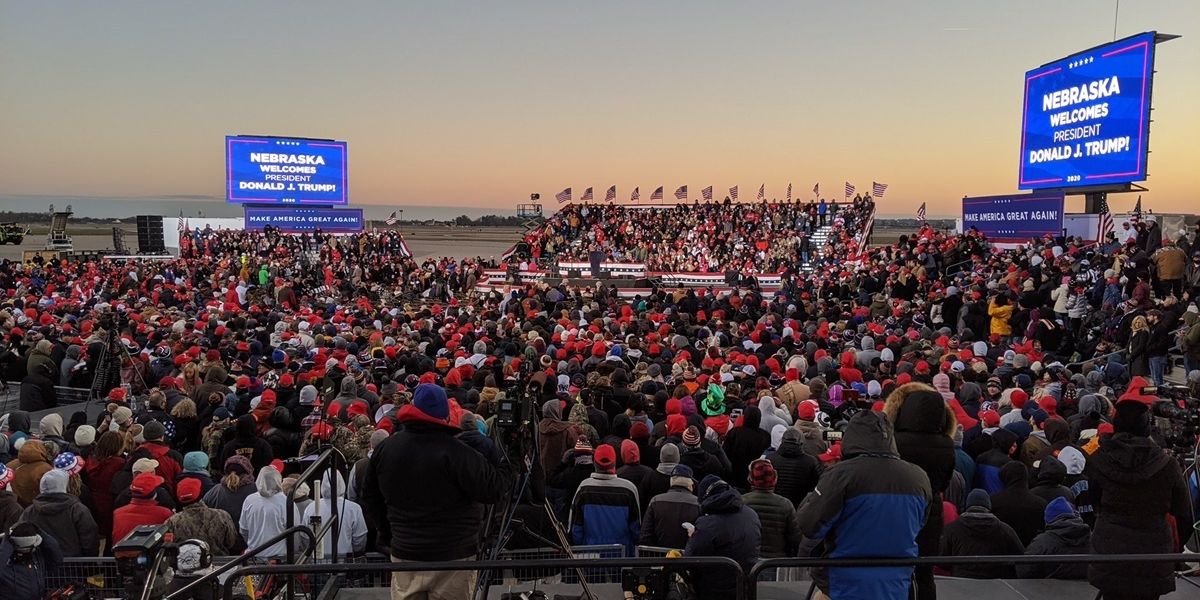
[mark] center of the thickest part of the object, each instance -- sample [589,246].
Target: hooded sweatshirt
[744,444]
[1048,484]
[352,532]
[264,514]
[1016,505]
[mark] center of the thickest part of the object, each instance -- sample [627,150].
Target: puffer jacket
[924,425]
[796,471]
[663,522]
[729,528]
[780,530]
[744,444]
[870,485]
[31,463]
[1136,485]
[26,578]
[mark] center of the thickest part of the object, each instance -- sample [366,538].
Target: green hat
[714,402]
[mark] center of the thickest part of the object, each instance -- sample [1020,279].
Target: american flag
[816,189]
[707,193]
[181,224]
[1137,210]
[587,195]
[921,214]
[877,189]
[849,189]
[733,193]
[611,194]
[635,196]
[391,220]
[563,196]
[657,195]
[789,192]
[762,192]
[681,193]
[1106,219]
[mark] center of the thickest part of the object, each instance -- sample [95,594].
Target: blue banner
[1015,217]
[296,219]
[271,170]
[1087,117]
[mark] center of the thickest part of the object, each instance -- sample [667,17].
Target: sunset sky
[479,104]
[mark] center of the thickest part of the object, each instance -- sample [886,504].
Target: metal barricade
[519,573]
[10,396]
[653,551]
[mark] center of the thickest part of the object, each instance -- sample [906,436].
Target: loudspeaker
[150,235]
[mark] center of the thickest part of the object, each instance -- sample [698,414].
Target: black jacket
[37,392]
[1049,483]
[432,508]
[796,472]
[246,443]
[663,522]
[780,530]
[1016,505]
[921,422]
[743,445]
[25,578]
[1135,485]
[1064,535]
[700,461]
[727,528]
[978,532]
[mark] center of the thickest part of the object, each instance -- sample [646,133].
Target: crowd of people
[933,397]
[695,238]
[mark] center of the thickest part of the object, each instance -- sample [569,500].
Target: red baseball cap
[1134,392]
[605,457]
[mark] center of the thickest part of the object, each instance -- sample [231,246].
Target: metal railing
[331,460]
[671,564]
[746,581]
[10,396]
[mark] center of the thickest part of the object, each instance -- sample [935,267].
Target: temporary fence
[10,396]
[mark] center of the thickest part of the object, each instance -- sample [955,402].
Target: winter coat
[64,517]
[199,522]
[265,514]
[780,531]
[26,579]
[37,392]
[605,511]
[744,444]
[1139,356]
[169,461]
[139,511]
[433,508]
[870,485]
[31,463]
[555,437]
[1067,534]
[989,463]
[10,510]
[701,462]
[664,517]
[230,501]
[726,527]
[814,437]
[924,425]
[1136,486]
[792,393]
[978,532]
[796,471]
[1059,296]
[1016,505]
[246,443]
[1048,485]
[98,475]
[1170,262]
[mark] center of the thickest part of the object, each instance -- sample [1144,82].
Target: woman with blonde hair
[1138,351]
[925,428]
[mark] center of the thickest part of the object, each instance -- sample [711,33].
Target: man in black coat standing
[797,471]
[427,490]
[37,388]
[745,443]
[925,427]
[1135,486]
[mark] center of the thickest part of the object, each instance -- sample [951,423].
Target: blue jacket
[606,511]
[871,504]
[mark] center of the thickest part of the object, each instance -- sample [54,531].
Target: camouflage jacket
[199,522]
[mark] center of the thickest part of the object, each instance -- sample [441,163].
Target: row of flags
[681,193]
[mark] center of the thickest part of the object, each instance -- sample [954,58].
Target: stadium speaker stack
[150,235]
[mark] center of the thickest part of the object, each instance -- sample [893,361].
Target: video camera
[1177,419]
[144,559]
